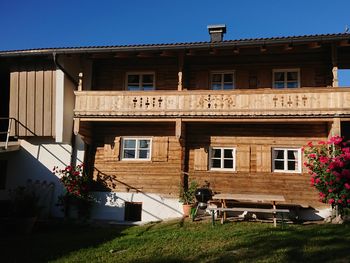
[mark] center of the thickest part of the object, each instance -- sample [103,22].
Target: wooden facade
[184,118]
[32,99]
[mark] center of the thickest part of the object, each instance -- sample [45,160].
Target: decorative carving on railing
[211,103]
[289,101]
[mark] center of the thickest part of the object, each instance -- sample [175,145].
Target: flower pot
[186,210]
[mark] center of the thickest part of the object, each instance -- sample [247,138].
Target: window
[140,81]
[286,160]
[136,149]
[222,158]
[222,80]
[286,78]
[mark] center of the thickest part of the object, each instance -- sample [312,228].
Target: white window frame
[137,139]
[285,159]
[222,158]
[285,71]
[222,72]
[140,73]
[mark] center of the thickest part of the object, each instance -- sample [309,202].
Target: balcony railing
[235,103]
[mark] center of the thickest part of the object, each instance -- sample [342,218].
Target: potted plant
[25,208]
[187,197]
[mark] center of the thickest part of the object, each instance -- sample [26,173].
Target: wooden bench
[272,211]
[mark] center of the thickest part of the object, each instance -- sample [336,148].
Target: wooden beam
[180,79]
[80,82]
[314,45]
[334,128]
[179,129]
[76,125]
[335,82]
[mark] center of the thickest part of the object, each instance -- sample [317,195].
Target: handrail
[17,123]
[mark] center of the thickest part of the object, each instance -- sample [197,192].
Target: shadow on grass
[55,241]
[329,243]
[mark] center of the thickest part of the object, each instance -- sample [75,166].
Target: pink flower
[324,159]
[310,144]
[318,180]
[337,140]
[330,190]
[331,201]
[347,186]
[312,155]
[340,201]
[348,201]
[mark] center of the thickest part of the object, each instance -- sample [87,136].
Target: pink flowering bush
[77,189]
[329,166]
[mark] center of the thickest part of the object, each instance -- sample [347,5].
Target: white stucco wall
[35,161]
[154,207]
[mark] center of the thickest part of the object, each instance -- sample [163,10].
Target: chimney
[216,32]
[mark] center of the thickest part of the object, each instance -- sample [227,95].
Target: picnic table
[224,198]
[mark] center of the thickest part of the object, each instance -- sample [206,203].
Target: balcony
[301,102]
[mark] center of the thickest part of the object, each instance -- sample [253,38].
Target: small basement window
[223,159]
[286,160]
[140,81]
[136,149]
[286,78]
[222,80]
[133,211]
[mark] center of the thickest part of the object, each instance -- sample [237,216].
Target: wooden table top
[250,197]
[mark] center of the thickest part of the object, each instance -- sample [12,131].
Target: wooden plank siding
[32,100]
[315,70]
[253,143]
[161,174]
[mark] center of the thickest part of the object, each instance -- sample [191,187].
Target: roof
[179,46]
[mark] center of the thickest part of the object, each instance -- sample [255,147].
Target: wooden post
[76,124]
[334,128]
[335,82]
[179,129]
[80,83]
[181,63]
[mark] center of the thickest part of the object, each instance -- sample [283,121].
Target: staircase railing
[16,123]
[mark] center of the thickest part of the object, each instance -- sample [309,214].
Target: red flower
[347,186]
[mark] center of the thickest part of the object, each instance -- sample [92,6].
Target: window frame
[222,148]
[285,160]
[140,74]
[137,139]
[285,82]
[222,72]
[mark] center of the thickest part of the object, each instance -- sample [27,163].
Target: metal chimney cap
[217,28]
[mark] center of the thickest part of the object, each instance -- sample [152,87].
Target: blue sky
[37,23]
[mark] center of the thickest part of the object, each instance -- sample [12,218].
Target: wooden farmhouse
[146,119]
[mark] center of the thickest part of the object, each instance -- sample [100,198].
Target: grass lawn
[178,241]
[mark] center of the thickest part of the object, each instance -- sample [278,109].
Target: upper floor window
[222,158]
[286,78]
[136,149]
[222,80]
[286,160]
[140,81]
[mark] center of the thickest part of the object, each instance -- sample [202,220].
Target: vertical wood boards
[160,149]
[201,159]
[32,101]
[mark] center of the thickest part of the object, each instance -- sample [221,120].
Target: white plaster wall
[35,161]
[154,207]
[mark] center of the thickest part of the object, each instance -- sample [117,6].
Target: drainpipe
[71,78]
